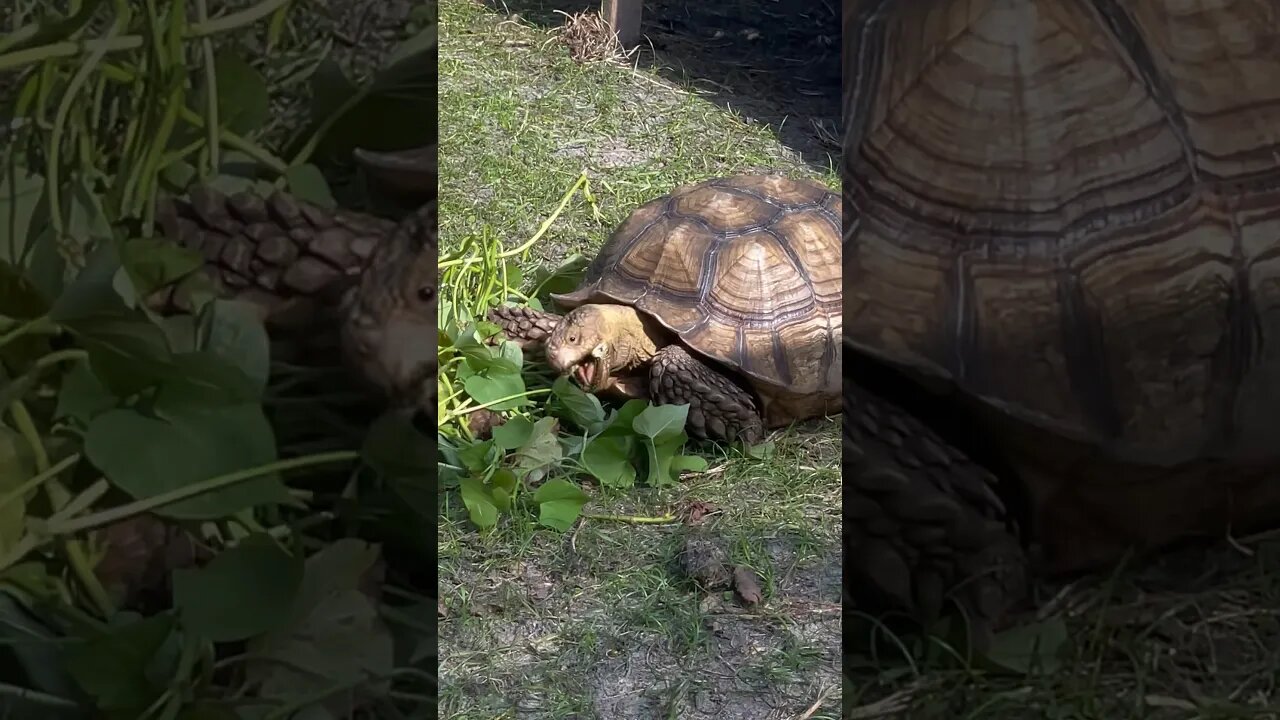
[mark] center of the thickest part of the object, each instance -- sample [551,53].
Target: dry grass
[1194,633]
[589,38]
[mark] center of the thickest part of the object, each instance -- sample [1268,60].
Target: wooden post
[623,17]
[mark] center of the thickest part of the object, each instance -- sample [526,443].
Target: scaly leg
[718,409]
[922,522]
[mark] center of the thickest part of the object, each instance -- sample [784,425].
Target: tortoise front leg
[718,409]
[524,326]
[922,521]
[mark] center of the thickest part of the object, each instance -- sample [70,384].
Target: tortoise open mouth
[592,374]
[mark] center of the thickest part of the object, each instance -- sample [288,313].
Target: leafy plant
[133,441]
[550,431]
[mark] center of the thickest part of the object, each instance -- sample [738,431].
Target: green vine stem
[232,21]
[59,497]
[635,519]
[39,479]
[58,526]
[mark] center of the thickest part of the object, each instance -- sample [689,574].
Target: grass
[1194,633]
[594,622]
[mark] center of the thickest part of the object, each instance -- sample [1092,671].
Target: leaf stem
[636,519]
[36,696]
[137,507]
[41,324]
[542,230]
[58,495]
[38,480]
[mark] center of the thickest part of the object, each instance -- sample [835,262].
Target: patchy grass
[594,622]
[1192,634]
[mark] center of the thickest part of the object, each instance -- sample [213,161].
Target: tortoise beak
[562,360]
[410,172]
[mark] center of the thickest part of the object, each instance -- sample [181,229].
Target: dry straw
[589,38]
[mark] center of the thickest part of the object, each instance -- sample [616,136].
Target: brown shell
[1072,209]
[744,269]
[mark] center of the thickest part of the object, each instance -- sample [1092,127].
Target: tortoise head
[595,342]
[389,316]
[580,345]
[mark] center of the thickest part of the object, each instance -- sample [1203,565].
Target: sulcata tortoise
[322,277]
[724,295]
[1062,270]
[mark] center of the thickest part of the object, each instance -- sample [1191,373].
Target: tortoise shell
[744,270]
[1071,210]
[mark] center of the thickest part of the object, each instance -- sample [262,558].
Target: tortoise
[320,277]
[1061,286]
[317,277]
[722,294]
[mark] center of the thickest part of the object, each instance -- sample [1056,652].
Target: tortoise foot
[524,326]
[718,409]
[922,522]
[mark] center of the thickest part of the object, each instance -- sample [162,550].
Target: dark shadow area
[775,62]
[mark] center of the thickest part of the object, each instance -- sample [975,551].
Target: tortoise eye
[573,338]
[426,293]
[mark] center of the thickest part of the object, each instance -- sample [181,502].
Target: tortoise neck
[634,337]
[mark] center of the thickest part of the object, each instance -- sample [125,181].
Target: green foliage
[112,415]
[552,432]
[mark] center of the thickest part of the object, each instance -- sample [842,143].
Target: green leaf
[576,406]
[760,451]
[180,332]
[147,456]
[243,99]
[397,450]
[608,458]
[92,292]
[564,278]
[507,388]
[330,89]
[1033,647]
[214,601]
[514,275]
[504,359]
[126,352]
[87,222]
[236,333]
[623,422]
[479,502]
[659,422]
[540,452]
[479,456]
[334,636]
[115,666]
[493,374]
[513,433]
[559,503]
[662,456]
[34,648]
[306,182]
[205,380]
[153,263]
[398,111]
[504,483]
[688,463]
